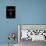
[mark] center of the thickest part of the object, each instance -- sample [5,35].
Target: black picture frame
[10,12]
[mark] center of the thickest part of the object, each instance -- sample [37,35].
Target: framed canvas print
[11,12]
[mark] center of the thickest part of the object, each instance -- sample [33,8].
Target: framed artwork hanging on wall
[11,12]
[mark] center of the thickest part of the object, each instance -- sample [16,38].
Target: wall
[27,12]
[31,11]
[6,25]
